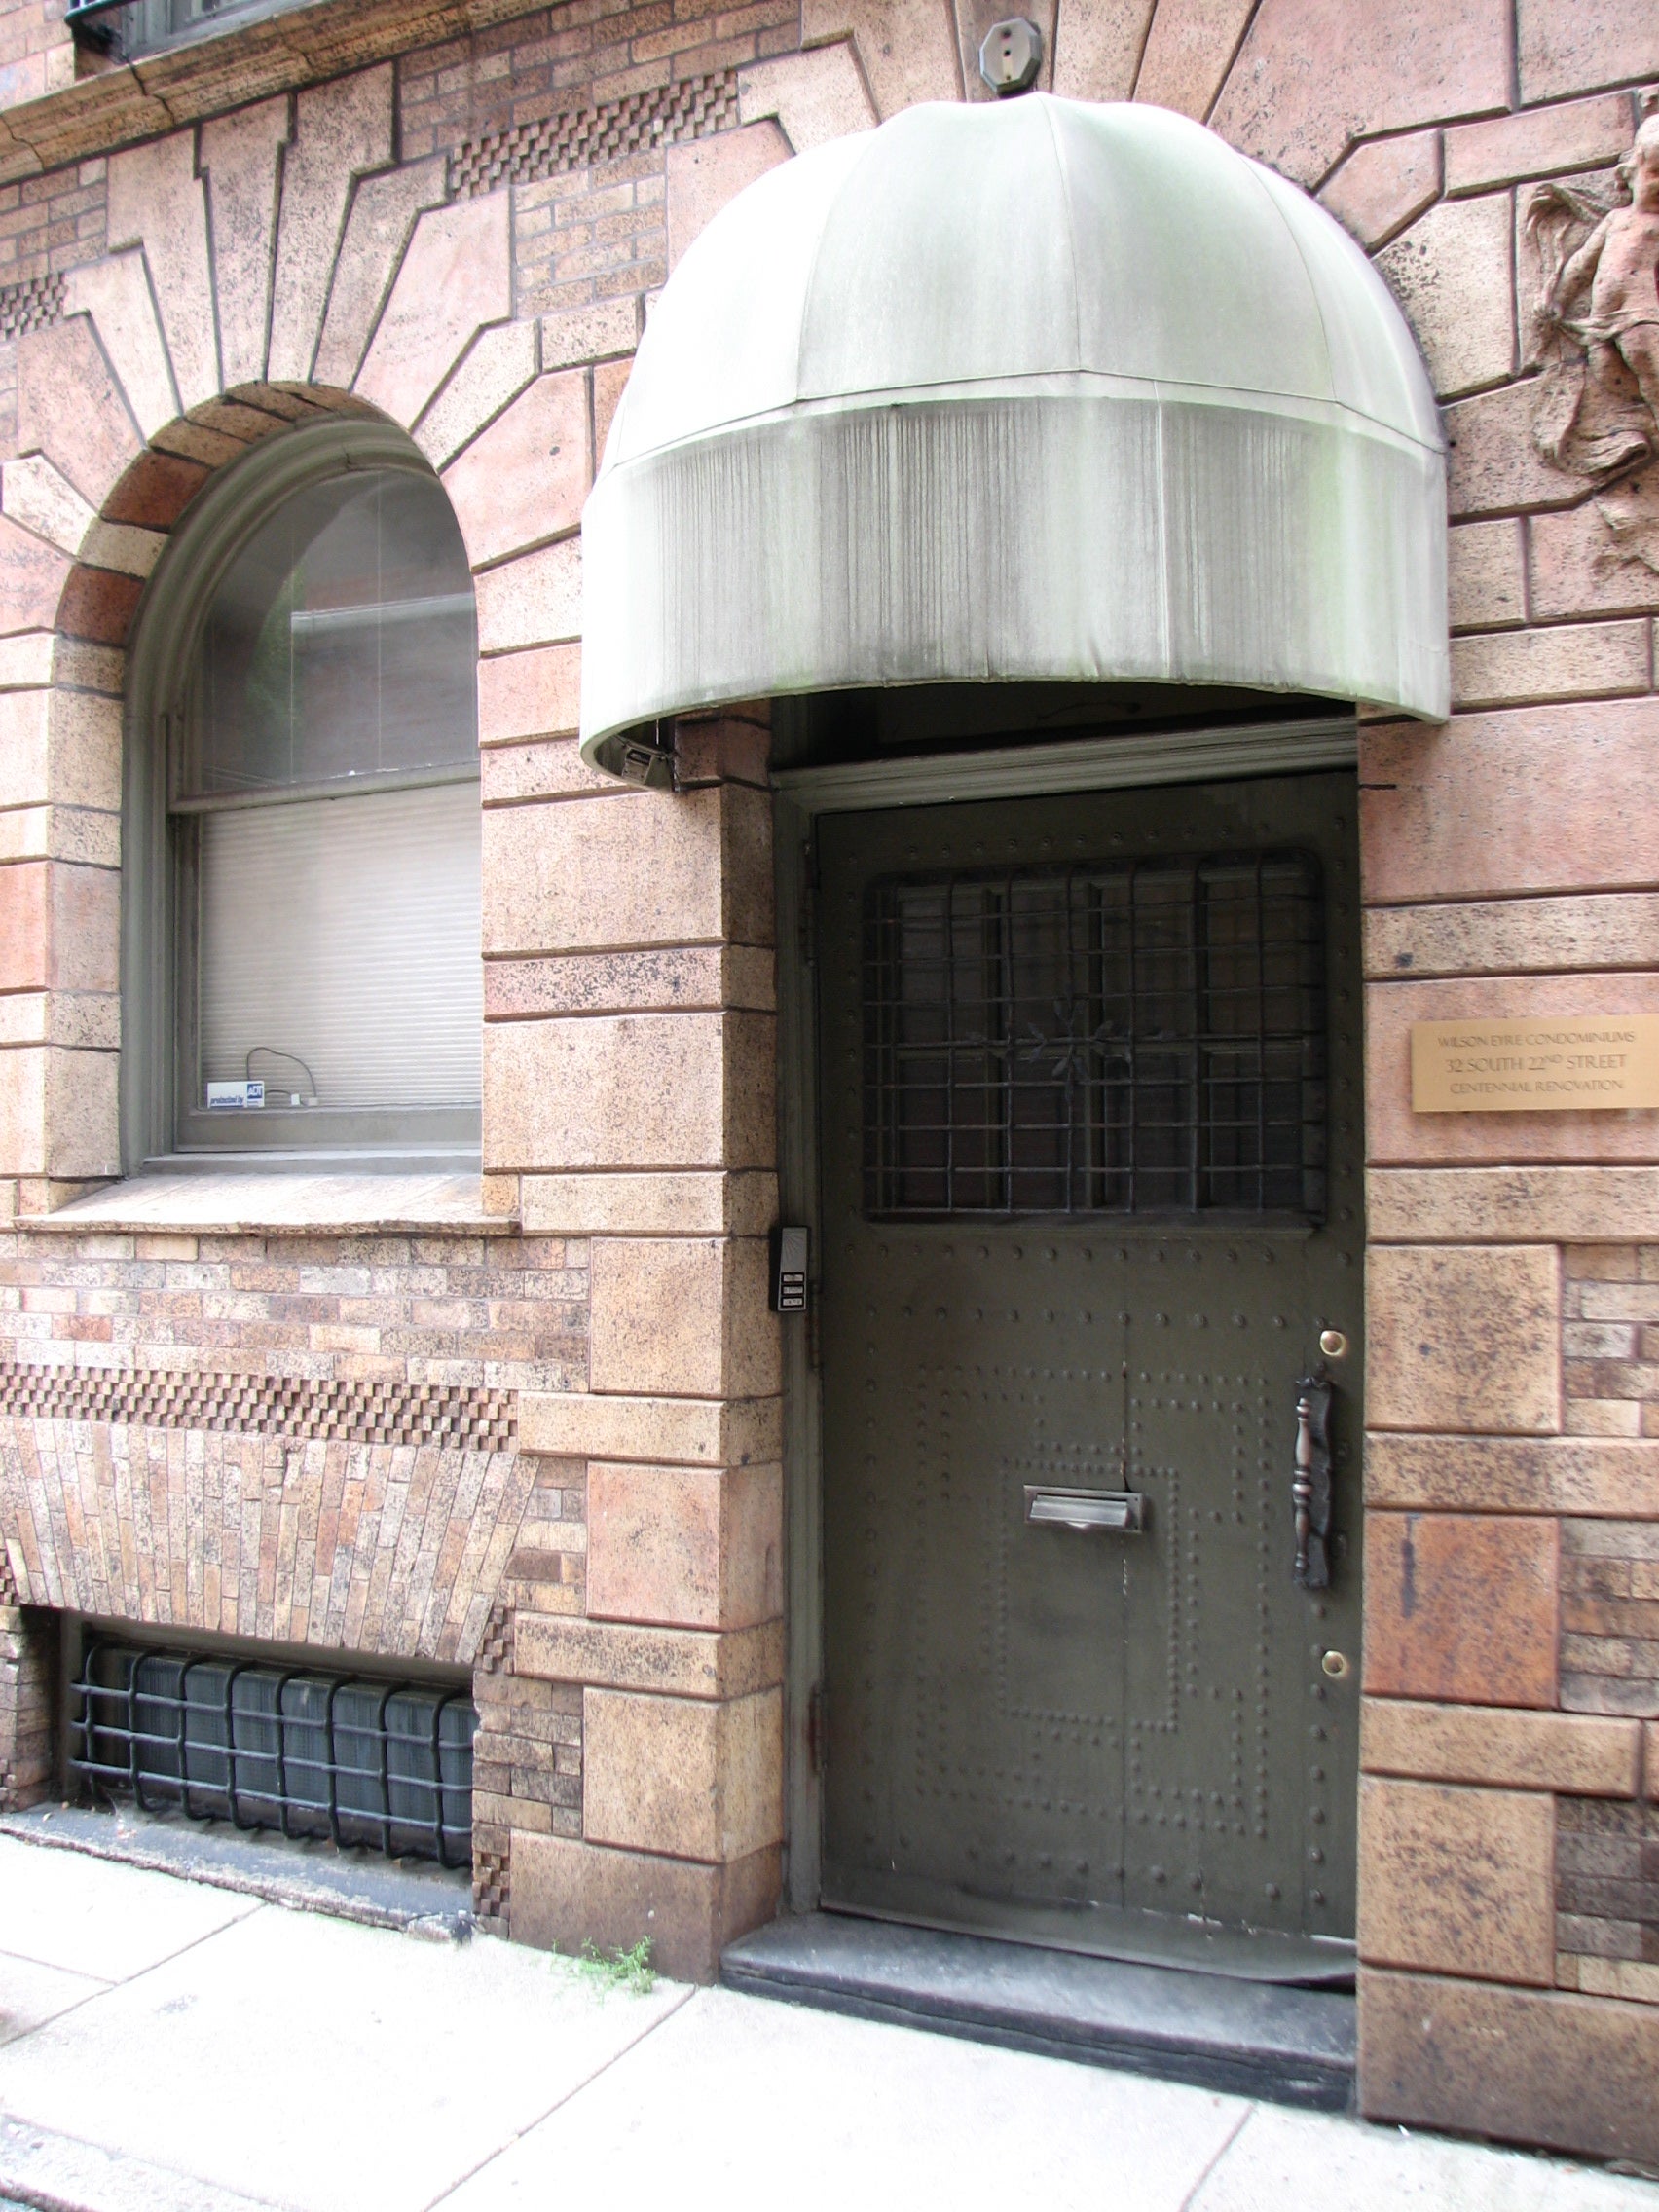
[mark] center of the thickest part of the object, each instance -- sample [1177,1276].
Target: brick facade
[1607,1899]
[35,52]
[463,237]
[381,1443]
[1609,1617]
[1610,1340]
[49,224]
[614,71]
[303,1441]
[527,1760]
[597,137]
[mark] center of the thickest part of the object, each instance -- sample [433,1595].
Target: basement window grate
[386,1765]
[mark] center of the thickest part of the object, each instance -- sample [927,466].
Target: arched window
[303,968]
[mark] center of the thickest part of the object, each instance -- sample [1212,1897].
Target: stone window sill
[231,1201]
[131,46]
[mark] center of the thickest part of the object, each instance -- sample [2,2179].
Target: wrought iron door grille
[1138,1038]
[386,1765]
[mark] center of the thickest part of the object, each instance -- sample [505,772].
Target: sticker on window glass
[236,1095]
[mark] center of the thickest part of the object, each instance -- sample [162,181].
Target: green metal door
[1090,1127]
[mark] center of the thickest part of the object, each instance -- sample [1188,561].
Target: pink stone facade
[454,221]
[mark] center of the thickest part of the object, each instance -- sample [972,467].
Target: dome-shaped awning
[1023,389]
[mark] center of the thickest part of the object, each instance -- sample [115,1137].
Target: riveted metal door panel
[1083,1228]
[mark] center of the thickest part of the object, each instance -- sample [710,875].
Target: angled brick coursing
[141,337]
[597,233]
[390,1549]
[527,1756]
[309,1440]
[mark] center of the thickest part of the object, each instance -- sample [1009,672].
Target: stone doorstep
[1286,2045]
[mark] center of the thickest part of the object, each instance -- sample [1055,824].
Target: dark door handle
[1311,1484]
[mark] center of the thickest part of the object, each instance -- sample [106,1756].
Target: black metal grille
[387,1764]
[1135,1037]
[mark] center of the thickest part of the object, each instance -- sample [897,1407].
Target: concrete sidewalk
[170,2047]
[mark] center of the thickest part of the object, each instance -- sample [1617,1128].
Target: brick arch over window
[421,336]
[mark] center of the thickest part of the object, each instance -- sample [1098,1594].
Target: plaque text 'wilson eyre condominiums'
[1535,1067]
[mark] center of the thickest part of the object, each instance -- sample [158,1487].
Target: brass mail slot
[1120,1509]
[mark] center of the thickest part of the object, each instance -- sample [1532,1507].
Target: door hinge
[817,1745]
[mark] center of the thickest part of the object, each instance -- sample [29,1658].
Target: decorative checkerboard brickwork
[395,1412]
[665,115]
[179,1480]
[30,306]
[496,1646]
[491,1893]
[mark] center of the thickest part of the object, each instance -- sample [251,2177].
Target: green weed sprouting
[628,1971]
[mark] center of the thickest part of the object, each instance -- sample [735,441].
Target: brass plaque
[1535,1067]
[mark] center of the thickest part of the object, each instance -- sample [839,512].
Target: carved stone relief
[1596,336]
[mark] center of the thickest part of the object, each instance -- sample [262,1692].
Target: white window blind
[345,935]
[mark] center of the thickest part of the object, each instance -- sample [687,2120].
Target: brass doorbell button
[1335,1664]
[1332,1343]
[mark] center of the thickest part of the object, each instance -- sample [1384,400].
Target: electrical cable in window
[274,1053]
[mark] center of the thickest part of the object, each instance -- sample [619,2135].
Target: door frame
[1136,760]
